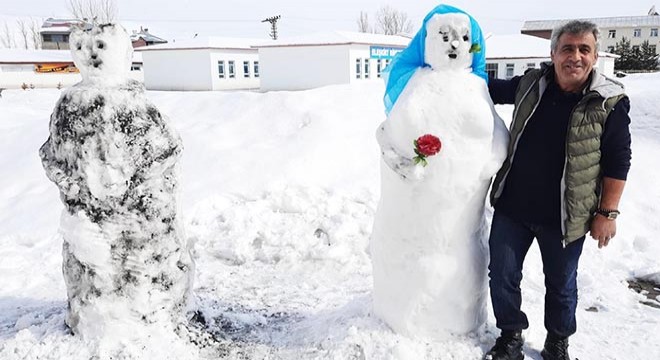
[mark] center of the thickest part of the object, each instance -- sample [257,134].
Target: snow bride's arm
[401,165]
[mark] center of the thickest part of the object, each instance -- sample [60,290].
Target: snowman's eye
[100,45]
[79,46]
[465,38]
[445,36]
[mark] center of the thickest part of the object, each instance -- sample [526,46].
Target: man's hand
[602,230]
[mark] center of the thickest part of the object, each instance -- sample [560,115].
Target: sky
[181,19]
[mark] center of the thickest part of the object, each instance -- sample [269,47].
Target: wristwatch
[609,214]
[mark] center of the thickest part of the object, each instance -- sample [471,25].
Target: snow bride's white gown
[428,245]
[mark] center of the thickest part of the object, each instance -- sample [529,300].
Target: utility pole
[273,25]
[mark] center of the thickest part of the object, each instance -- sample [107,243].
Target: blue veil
[411,58]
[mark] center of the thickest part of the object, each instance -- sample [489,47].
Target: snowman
[112,155]
[428,245]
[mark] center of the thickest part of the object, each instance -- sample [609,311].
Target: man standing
[567,162]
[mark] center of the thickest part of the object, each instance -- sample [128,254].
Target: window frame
[492,69]
[507,67]
[246,69]
[221,70]
[231,69]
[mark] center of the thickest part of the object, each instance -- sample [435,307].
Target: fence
[15,80]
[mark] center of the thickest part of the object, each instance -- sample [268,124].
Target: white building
[510,55]
[201,64]
[320,59]
[637,29]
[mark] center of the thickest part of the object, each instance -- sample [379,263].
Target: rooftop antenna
[273,25]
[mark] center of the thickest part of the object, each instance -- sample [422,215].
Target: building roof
[213,42]
[519,46]
[20,56]
[516,46]
[607,22]
[55,30]
[337,38]
[146,36]
[56,26]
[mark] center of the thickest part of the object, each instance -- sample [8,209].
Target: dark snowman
[113,157]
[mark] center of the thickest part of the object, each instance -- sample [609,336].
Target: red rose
[426,145]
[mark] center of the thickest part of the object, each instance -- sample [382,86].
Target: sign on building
[381,52]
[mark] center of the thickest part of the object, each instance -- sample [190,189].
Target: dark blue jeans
[509,242]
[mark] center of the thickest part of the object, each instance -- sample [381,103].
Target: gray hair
[574,27]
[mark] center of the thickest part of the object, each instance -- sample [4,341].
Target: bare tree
[390,21]
[23,31]
[93,11]
[35,34]
[6,36]
[363,23]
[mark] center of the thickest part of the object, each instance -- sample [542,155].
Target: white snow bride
[441,144]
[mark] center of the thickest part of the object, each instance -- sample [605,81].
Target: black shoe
[507,347]
[555,348]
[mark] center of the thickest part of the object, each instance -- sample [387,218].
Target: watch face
[611,215]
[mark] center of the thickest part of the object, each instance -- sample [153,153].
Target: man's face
[574,58]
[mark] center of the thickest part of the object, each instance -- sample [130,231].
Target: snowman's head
[440,43]
[103,52]
[448,41]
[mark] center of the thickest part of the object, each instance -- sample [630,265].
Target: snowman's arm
[499,146]
[166,155]
[401,165]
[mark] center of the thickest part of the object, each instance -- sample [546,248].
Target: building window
[610,49]
[509,71]
[531,65]
[367,69]
[232,69]
[55,37]
[491,70]
[246,69]
[654,32]
[637,33]
[358,68]
[379,67]
[136,67]
[221,69]
[256,69]
[635,48]
[611,34]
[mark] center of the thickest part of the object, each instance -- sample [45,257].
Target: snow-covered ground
[278,193]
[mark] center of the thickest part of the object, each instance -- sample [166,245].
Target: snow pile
[278,166]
